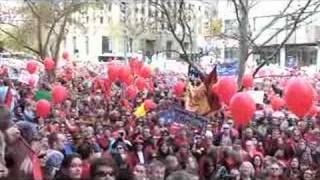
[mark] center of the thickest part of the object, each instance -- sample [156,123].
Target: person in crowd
[246,171]
[115,141]
[71,168]
[139,172]
[156,170]
[103,169]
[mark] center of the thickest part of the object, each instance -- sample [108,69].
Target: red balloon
[313,111]
[247,81]
[242,108]
[132,92]
[178,88]
[43,108]
[141,83]
[145,72]
[149,105]
[277,103]
[227,87]
[135,65]
[113,72]
[65,55]
[59,93]
[299,96]
[48,63]
[32,67]
[125,74]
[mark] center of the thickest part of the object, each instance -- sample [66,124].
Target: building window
[301,55]
[101,20]
[142,10]
[230,26]
[130,44]
[260,54]
[87,19]
[162,26]
[87,45]
[169,47]
[110,7]
[74,43]
[231,53]
[106,45]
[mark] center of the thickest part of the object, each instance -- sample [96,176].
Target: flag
[140,111]
[200,99]
[7,97]
[42,95]
[36,165]
[213,98]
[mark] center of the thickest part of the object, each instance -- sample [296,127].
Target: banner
[192,73]
[228,68]
[181,116]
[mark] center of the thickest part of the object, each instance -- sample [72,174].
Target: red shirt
[85,170]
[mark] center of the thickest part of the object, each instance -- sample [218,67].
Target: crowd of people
[93,136]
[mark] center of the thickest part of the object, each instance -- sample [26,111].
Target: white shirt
[140,156]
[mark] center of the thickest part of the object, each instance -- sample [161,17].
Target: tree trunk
[243,42]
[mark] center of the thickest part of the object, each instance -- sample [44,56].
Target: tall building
[129,26]
[124,27]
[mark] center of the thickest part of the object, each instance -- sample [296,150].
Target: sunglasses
[104,173]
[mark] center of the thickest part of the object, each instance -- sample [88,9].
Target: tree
[249,41]
[181,25]
[39,26]
[133,27]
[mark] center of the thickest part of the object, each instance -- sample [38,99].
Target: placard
[257,96]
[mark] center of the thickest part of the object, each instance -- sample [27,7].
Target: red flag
[36,166]
[213,98]
[8,99]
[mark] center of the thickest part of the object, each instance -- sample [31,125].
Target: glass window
[110,7]
[101,20]
[87,45]
[74,42]
[264,52]
[231,53]
[142,10]
[106,45]
[301,55]
[230,26]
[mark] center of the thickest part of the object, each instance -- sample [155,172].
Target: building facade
[301,49]
[119,28]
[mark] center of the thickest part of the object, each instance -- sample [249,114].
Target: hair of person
[180,175]
[248,164]
[52,138]
[85,150]
[156,165]
[68,160]
[98,162]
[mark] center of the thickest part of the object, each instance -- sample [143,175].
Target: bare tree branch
[274,20]
[297,20]
[22,43]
